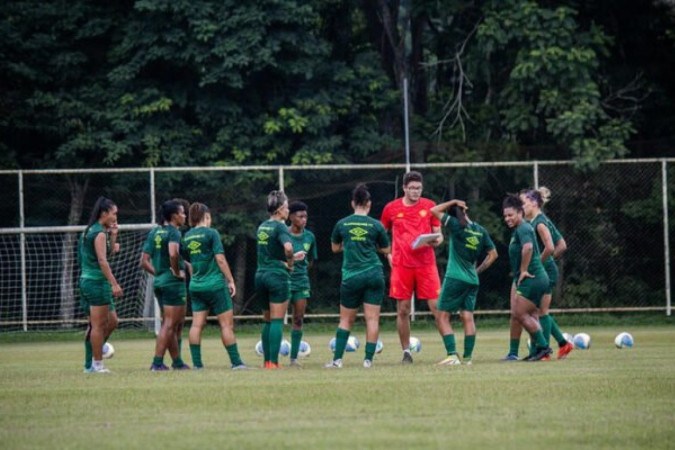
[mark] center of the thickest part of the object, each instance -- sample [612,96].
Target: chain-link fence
[613,220]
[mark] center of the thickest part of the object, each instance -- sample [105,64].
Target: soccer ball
[379,346]
[568,337]
[305,349]
[582,341]
[623,340]
[352,344]
[284,350]
[415,344]
[108,350]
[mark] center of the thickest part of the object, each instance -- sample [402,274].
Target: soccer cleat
[565,350]
[99,370]
[407,358]
[510,357]
[468,361]
[451,360]
[546,358]
[335,364]
[367,363]
[180,367]
[88,370]
[540,354]
[241,366]
[295,363]
[271,365]
[158,368]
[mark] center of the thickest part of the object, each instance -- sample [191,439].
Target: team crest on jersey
[472,242]
[306,246]
[194,246]
[262,236]
[424,212]
[400,215]
[158,241]
[358,232]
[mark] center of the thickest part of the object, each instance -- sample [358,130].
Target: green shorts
[171,295]
[457,295]
[300,295]
[272,287]
[95,293]
[552,272]
[217,301]
[533,289]
[365,287]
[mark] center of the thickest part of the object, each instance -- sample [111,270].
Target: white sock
[97,364]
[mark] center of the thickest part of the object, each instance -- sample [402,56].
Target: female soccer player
[359,237]
[211,286]
[530,281]
[468,241]
[549,240]
[272,277]
[304,253]
[161,258]
[98,285]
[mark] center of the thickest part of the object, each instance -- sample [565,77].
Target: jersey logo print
[358,234]
[472,242]
[158,241]
[262,236]
[400,215]
[194,247]
[306,246]
[424,212]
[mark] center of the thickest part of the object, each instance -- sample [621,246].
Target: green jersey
[549,264]
[305,242]
[465,247]
[157,246]
[523,234]
[91,270]
[272,235]
[360,237]
[200,246]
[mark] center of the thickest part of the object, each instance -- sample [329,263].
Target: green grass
[600,398]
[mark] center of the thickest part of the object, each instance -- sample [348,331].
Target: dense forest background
[158,83]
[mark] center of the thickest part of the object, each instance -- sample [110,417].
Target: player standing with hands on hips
[98,285]
[413,270]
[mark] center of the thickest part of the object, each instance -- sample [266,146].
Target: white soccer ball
[623,340]
[352,344]
[582,341]
[259,348]
[108,350]
[379,346]
[331,345]
[569,338]
[304,350]
[415,344]
[284,350]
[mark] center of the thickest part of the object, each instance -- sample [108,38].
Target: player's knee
[297,322]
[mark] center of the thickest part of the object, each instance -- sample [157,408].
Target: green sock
[469,344]
[196,352]
[276,335]
[513,346]
[557,333]
[545,322]
[178,362]
[157,361]
[341,337]
[450,345]
[538,339]
[233,353]
[370,350]
[265,338]
[296,337]
[88,354]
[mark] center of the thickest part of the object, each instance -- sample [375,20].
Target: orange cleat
[565,350]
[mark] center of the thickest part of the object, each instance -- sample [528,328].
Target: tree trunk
[241,246]
[69,251]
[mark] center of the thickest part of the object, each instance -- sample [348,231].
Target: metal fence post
[22,224]
[666,235]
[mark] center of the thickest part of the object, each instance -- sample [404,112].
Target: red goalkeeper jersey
[406,223]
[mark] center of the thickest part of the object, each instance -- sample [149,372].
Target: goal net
[39,278]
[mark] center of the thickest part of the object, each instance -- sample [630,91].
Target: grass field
[599,398]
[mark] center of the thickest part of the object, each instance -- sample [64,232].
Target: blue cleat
[510,357]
